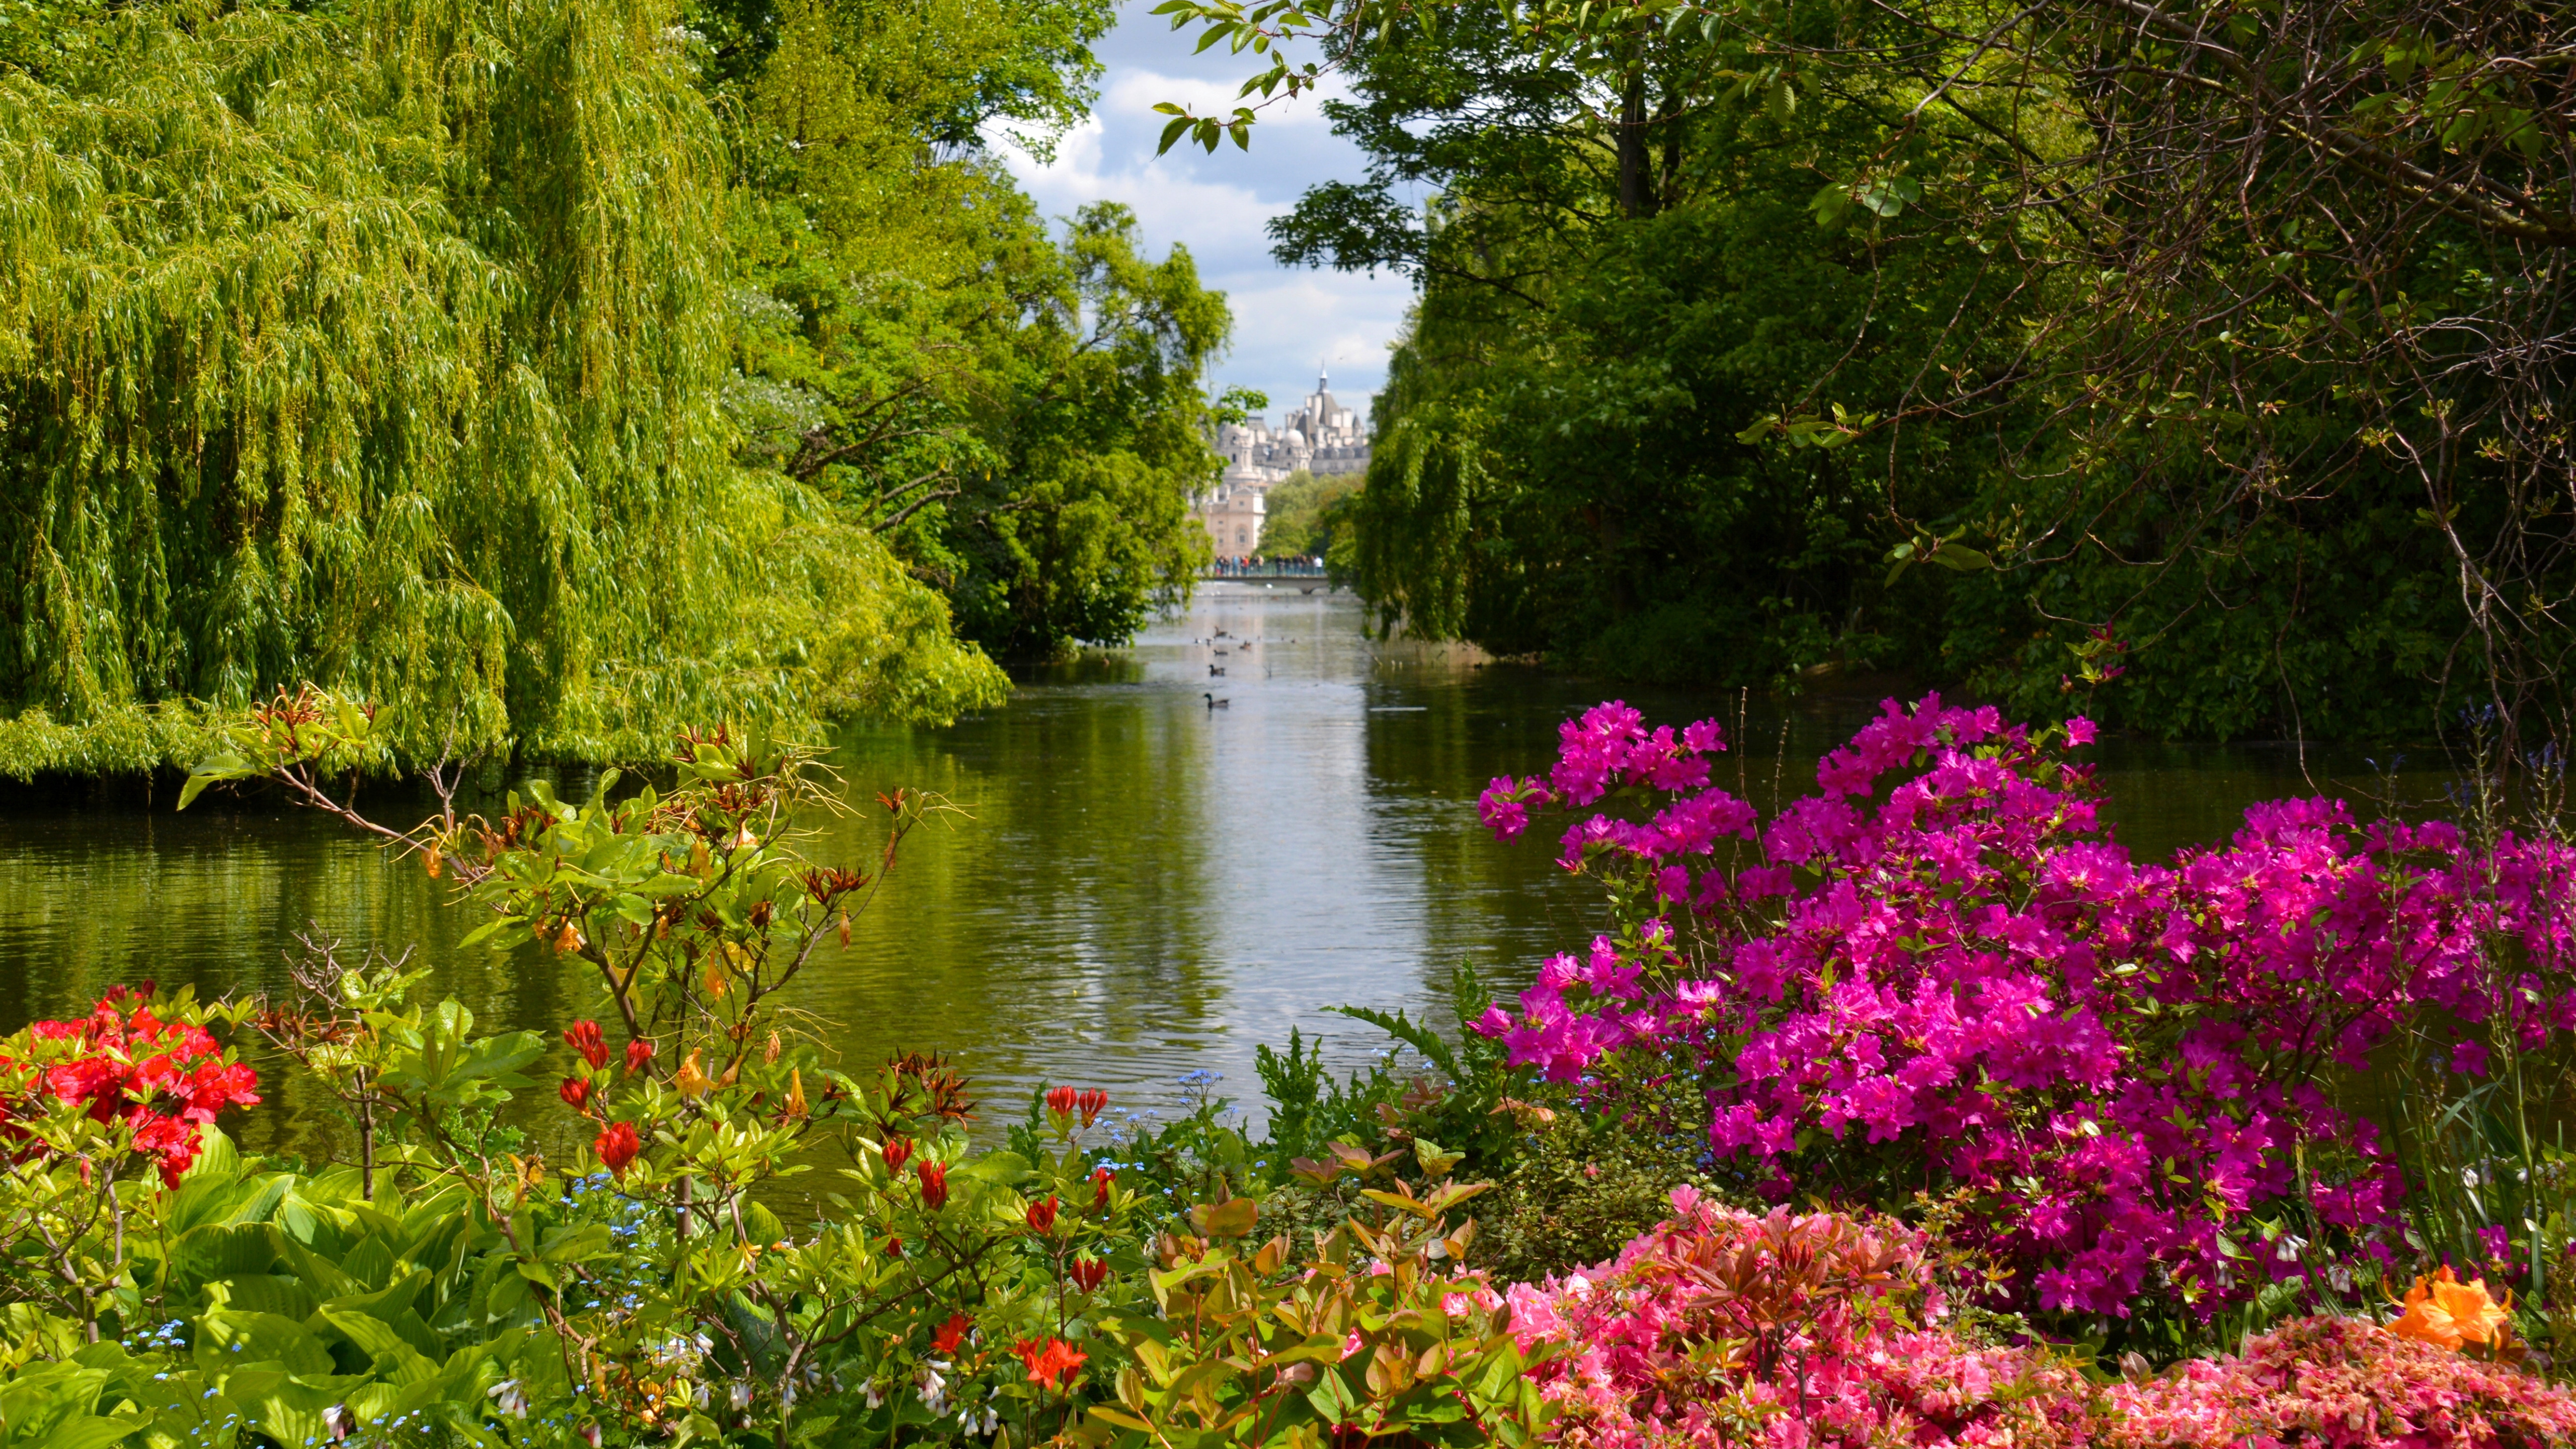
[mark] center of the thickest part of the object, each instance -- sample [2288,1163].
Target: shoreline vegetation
[409,389]
[1914,1108]
[558,377]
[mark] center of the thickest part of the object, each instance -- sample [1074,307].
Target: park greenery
[556,375]
[1913,1111]
[1309,514]
[2009,345]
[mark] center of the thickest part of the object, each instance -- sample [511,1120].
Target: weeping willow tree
[383,349]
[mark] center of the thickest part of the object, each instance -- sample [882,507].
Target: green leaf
[223,1250]
[93,1433]
[228,1340]
[574,1245]
[263,1293]
[1003,1169]
[213,770]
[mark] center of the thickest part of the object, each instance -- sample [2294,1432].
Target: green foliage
[1372,1334]
[1018,413]
[1306,513]
[1571,454]
[1724,312]
[1577,1188]
[385,348]
[455,1286]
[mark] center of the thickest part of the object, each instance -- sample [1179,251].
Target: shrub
[1720,1327]
[1941,972]
[2344,1383]
[1578,1189]
[1824,1331]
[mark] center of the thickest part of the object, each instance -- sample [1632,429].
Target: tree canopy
[2214,349]
[556,374]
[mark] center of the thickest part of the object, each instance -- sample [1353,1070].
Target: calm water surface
[1135,887]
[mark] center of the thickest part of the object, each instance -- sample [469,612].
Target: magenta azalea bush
[1822,1331]
[1942,972]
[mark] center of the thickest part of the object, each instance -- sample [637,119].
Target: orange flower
[1050,1361]
[2445,1311]
[692,1079]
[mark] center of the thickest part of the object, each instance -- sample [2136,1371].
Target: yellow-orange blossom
[2443,1310]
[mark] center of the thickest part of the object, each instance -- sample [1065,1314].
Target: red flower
[214,1086]
[1059,1100]
[1049,1361]
[161,1079]
[584,1038]
[1088,1274]
[1042,1216]
[1091,1104]
[1100,1177]
[175,1142]
[576,1093]
[934,1184]
[946,1337]
[639,1054]
[898,1151]
[617,1145]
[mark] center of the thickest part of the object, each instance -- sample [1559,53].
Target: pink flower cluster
[2340,1383]
[1785,1332]
[1823,1332]
[1942,971]
[160,1077]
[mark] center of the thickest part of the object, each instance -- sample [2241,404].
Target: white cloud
[1217,206]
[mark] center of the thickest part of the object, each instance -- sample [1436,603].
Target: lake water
[1136,886]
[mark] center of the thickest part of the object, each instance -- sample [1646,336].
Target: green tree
[1614,313]
[2251,385]
[1018,412]
[1306,512]
[386,348]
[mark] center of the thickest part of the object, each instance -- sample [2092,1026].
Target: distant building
[1319,436]
[1232,513]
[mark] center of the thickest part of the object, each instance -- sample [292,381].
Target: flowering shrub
[1720,1327]
[1824,1331]
[2344,1383]
[99,1117]
[1942,971]
[143,1070]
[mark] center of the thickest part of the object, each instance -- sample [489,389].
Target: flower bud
[584,1037]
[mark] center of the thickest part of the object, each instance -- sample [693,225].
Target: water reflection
[1135,885]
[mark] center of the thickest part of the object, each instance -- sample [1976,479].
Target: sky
[1285,320]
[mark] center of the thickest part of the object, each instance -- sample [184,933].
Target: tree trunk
[1636,189]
